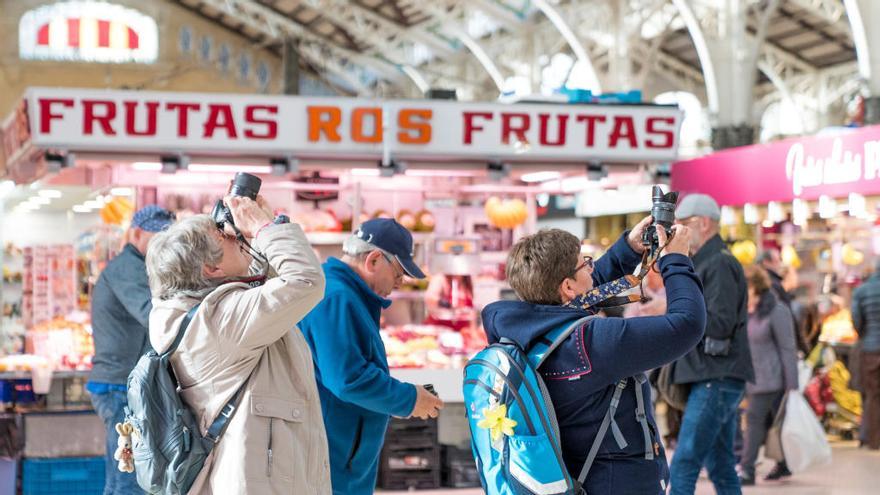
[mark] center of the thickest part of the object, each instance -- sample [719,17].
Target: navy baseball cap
[387,234]
[152,218]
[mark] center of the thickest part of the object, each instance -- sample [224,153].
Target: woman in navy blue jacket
[548,272]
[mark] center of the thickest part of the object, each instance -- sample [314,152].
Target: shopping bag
[803,438]
[805,372]
[773,444]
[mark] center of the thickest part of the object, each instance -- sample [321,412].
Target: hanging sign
[78,119]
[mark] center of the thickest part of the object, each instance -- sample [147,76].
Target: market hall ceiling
[390,47]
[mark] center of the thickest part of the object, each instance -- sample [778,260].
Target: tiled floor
[852,472]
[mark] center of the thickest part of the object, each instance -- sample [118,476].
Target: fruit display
[506,214]
[425,346]
[117,211]
[66,343]
[744,251]
[838,327]
[407,219]
[425,221]
[318,221]
[851,256]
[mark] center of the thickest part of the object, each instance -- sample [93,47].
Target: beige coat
[235,331]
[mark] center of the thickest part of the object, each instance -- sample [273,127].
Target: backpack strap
[541,350]
[641,415]
[603,429]
[181,331]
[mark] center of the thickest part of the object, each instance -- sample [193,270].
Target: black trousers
[759,418]
[870,368]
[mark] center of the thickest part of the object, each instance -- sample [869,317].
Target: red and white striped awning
[88,31]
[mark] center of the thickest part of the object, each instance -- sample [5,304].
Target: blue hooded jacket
[357,392]
[581,374]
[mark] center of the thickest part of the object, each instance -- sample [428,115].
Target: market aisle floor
[852,472]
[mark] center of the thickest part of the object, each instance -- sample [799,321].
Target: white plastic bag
[805,372]
[803,438]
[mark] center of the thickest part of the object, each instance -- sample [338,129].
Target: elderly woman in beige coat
[241,335]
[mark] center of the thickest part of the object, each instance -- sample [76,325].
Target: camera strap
[607,294]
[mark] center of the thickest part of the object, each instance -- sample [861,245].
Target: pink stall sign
[805,168]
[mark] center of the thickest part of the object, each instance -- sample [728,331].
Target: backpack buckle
[227,410]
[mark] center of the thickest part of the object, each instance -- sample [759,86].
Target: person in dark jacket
[866,320]
[771,261]
[719,367]
[358,395]
[774,358]
[120,319]
[547,271]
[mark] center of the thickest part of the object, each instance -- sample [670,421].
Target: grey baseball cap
[698,205]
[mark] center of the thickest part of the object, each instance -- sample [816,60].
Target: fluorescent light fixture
[6,187]
[750,214]
[858,207]
[230,169]
[147,166]
[775,213]
[540,176]
[365,172]
[81,209]
[94,204]
[827,207]
[50,193]
[728,216]
[204,167]
[39,200]
[800,212]
[122,191]
[440,173]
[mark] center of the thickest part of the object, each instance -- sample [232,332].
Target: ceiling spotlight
[391,168]
[282,166]
[57,161]
[596,171]
[172,163]
[498,170]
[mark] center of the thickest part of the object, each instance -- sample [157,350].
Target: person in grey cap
[120,313]
[358,395]
[719,367]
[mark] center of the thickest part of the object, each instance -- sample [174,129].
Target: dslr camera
[663,211]
[243,184]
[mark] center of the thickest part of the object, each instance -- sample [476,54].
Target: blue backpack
[501,386]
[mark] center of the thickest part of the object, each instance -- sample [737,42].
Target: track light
[282,166]
[596,171]
[172,163]
[497,170]
[391,168]
[57,161]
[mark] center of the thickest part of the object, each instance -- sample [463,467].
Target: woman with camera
[240,338]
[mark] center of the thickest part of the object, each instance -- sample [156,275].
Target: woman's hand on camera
[680,242]
[635,235]
[249,215]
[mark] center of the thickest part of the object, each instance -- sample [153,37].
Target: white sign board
[92,120]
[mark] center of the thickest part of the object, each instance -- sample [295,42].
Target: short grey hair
[356,247]
[176,256]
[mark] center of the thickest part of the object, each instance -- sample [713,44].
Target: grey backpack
[168,449]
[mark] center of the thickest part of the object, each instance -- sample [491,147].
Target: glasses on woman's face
[588,263]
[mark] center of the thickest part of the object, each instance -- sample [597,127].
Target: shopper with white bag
[774,358]
[803,438]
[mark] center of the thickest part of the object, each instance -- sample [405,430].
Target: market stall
[456,174]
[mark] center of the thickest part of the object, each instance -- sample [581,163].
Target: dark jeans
[759,417]
[110,407]
[870,364]
[706,439]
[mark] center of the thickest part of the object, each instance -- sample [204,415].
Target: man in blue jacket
[357,392]
[121,305]
[548,272]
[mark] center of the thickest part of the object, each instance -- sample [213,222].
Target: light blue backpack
[501,386]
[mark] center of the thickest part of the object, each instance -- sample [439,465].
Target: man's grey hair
[358,248]
[176,256]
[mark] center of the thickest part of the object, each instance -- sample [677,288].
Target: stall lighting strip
[206,167]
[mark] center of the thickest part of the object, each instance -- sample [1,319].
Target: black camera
[663,211]
[243,184]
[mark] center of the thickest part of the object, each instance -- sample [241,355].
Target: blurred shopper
[120,317]
[774,358]
[866,319]
[240,338]
[771,261]
[357,391]
[719,367]
[548,272]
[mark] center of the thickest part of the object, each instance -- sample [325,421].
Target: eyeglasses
[398,272]
[588,263]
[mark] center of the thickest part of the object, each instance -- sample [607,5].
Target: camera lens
[246,185]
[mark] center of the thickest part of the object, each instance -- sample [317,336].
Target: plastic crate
[63,476]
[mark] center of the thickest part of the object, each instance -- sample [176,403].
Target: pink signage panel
[806,168]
